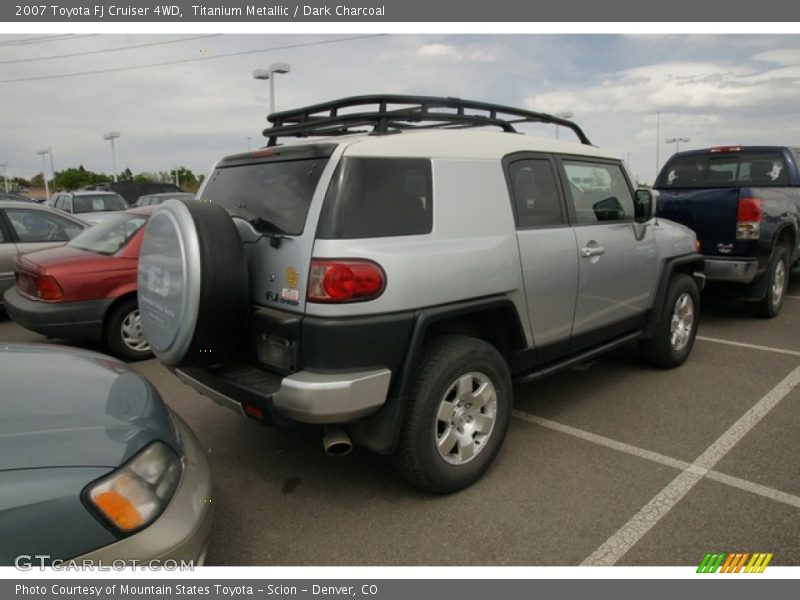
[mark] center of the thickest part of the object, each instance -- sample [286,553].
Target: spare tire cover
[192,283]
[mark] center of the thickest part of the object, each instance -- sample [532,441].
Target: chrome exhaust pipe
[336,441]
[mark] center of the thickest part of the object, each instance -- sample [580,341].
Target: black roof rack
[414,112]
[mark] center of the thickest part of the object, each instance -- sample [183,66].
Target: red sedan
[86,290]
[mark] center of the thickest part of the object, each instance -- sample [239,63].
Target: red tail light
[748,218]
[345,280]
[39,287]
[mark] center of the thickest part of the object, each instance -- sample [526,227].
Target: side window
[39,226]
[599,192]
[377,197]
[2,231]
[535,194]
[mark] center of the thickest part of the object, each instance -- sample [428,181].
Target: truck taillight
[721,149]
[748,218]
[345,280]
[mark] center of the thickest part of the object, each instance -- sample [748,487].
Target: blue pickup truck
[743,202]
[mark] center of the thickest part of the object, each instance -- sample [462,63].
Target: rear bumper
[737,270]
[305,396]
[181,532]
[75,320]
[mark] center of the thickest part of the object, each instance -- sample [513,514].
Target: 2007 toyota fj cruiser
[392,284]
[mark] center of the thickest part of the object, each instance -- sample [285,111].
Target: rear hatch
[702,190]
[274,197]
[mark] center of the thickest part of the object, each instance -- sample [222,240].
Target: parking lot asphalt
[611,462]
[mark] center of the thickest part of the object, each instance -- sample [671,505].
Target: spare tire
[193,284]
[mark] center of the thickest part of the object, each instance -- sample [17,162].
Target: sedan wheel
[124,332]
[132,334]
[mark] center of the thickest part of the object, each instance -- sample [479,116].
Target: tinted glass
[98,203]
[41,226]
[273,196]
[535,193]
[110,236]
[599,192]
[724,170]
[378,197]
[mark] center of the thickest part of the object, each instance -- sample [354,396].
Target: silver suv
[392,277]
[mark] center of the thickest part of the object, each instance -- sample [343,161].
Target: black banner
[391,589]
[392,11]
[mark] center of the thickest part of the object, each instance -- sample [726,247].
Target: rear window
[98,203]
[110,236]
[724,170]
[378,197]
[272,196]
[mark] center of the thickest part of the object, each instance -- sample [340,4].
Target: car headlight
[136,493]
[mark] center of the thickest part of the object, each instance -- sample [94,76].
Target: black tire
[770,305]
[123,332]
[663,349]
[445,361]
[193,284]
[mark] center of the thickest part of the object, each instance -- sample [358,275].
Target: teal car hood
[63,407]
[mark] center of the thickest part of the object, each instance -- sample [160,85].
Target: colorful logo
[292,277]
[735,562]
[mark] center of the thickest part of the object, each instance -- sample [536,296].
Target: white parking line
[755,488]
[637,527]
[751,346]
[604,441]
[662,459]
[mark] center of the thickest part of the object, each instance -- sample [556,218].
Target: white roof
[462,144]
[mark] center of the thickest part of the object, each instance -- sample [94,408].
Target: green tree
[186,178]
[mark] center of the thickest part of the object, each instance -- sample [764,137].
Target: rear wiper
[276,234]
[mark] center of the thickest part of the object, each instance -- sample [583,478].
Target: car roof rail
[409,112]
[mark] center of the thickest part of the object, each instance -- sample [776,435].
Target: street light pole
[42,153]
[111,136]
[677,141]
[248,143]
[5,176]
[269,73]
[562,115]
[52,168]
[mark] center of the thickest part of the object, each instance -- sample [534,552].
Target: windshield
[110,236]
[98,203]
[724,170]
[273,196]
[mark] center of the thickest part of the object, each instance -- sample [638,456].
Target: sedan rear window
[98,203]
[378,197]
[724,170]
[110,236]
[272,196]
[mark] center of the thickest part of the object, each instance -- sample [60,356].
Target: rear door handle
[590,251]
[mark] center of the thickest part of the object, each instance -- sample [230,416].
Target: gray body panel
[41,513]
[617,284]
[60,433]
[91,410]
[549,255]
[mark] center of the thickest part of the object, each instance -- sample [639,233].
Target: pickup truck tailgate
[710,213]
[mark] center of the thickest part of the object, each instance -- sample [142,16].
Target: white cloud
[453,53]
[786,56]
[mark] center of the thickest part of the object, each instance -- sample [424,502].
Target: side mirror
[645,206]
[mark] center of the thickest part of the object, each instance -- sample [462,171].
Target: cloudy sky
[65,92]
